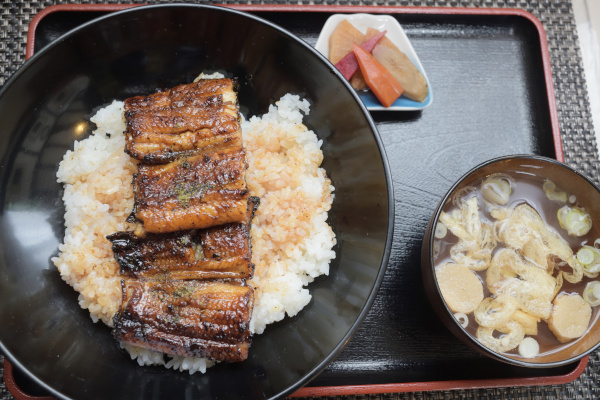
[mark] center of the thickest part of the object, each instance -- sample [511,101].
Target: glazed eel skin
[192,193]
[220,252]
[197,117]
[194,132]
[191,318]
[184,272]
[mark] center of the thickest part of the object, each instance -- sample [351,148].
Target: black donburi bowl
[45,107]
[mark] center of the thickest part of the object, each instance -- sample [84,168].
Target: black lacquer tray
[493,96]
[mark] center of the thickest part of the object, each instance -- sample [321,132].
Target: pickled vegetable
[401,68]
[348,65]
[379,79]
[341,40]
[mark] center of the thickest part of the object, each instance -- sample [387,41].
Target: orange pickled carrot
[378,78]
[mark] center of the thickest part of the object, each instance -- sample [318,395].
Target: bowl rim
[310,374]
[435,218]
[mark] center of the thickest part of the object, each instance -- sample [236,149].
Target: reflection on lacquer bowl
[510,261]
[46,106]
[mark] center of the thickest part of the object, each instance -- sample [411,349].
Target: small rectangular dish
[396,34]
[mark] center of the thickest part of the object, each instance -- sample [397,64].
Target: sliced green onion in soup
[591,293]
[549,186]
[462,319]
[440,230]
[552,194]
[589,257]
[575,220]
[585,256]
[497,189]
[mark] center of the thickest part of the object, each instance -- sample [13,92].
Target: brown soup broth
[526,188]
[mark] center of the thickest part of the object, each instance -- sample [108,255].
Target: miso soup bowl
[565,178]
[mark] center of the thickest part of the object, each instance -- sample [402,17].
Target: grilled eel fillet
[220,252]
[187,318]
[196,117]
[192,193]
[184,290]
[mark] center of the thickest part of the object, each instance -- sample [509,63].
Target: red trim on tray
[13,388]
[376,388]
[442,385]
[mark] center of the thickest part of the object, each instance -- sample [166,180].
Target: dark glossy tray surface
[490,99]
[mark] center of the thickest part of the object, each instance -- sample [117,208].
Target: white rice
[98,198]
[291,241]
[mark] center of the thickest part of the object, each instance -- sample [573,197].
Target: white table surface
[587,17]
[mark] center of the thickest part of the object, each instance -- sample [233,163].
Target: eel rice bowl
[291,240]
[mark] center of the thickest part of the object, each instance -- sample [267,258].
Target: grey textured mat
[578,139]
